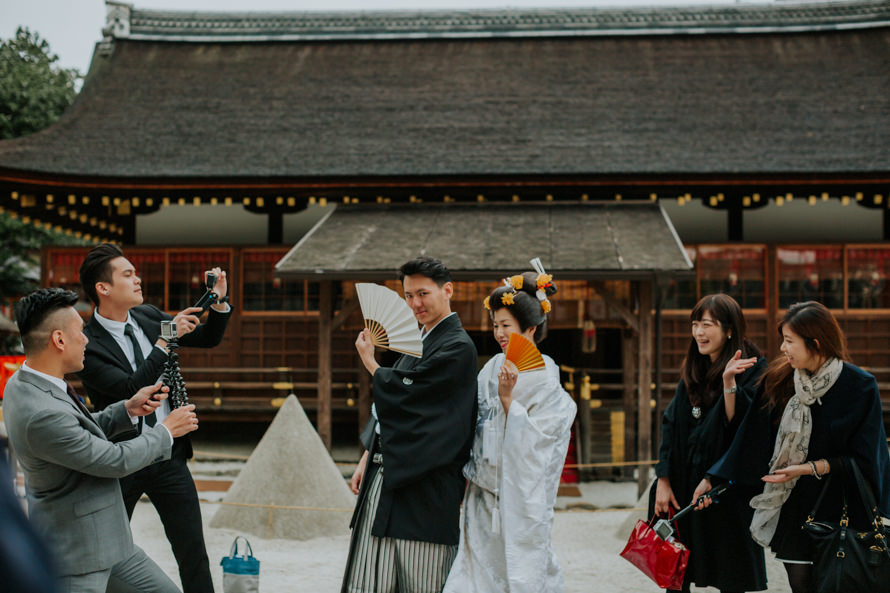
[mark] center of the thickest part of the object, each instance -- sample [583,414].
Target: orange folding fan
[389,318]
[524,354]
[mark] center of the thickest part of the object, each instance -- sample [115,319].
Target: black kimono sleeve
[427,413]
[747,459]
[746,392]
[668,422]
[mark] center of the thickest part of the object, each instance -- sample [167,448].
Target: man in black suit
[410,481]
[126,353]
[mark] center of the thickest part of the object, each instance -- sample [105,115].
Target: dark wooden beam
[364,397]
[659,408]
[344,313]
[630,428]
[325,310]
[615,303]
[644,383]
[275,228]
[735,218]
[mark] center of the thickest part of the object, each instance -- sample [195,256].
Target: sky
[72,27]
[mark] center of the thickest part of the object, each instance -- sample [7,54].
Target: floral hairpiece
[542,283]
[516,282]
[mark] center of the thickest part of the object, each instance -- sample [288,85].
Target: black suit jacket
[107,375]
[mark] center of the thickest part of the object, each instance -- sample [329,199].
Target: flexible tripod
[172,377]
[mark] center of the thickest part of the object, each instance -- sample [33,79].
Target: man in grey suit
[71,467]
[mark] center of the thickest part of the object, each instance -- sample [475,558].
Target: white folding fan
[523,353]
[389,318]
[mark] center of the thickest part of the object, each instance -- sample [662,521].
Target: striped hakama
[390,565]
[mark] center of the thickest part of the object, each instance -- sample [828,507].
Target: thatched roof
[577,240]
[768,90]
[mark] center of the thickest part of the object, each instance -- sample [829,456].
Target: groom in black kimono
[410,481]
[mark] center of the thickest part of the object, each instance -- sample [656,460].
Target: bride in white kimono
[522,433]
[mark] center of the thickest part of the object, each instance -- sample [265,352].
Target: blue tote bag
[241,574]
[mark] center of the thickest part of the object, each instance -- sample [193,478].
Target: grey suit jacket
[72,469]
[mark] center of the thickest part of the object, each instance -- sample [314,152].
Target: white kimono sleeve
[535,442]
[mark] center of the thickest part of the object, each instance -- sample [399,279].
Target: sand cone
[289,467]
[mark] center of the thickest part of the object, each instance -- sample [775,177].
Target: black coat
[847,425]
[26,563]
[427,413]
[722,553]
[108,376]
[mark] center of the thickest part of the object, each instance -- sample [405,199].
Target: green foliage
[33,92]
[20,245]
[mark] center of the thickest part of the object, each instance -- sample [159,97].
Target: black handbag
[845,558]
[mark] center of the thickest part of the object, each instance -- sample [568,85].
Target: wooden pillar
[325,327]
[644,384]
[364,397]
[128,224]
[584,453]
[659,396]
[629,400]
[772,303]
[275,227]
[735,215]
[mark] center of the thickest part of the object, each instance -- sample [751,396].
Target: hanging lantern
[588,336]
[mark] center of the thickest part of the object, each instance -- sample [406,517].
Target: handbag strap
[671,513]
[865,493]
[851,468]
[233,551]
[812,516]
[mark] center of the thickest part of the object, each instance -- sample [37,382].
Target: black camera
[209,297]
[168,330]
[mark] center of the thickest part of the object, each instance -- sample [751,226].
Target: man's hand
[221,288]
[365,348]
[182,421]
[186,321]
[146,400]
[356,482]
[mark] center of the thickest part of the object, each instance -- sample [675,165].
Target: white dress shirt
[116,329]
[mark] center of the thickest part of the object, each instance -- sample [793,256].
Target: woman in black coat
[813,413]
[717,384]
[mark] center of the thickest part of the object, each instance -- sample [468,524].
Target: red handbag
[663,561]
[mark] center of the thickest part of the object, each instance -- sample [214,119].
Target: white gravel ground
[587,544]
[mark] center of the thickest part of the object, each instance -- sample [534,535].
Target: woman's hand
[664,497]
[736,366]
[780,476]
[506,381]
[703,486]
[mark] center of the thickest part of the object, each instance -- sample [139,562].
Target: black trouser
[170,487]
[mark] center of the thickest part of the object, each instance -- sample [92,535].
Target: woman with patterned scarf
[814,411]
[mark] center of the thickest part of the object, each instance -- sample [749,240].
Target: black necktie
[137,349]
[151,419]
[77,402]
